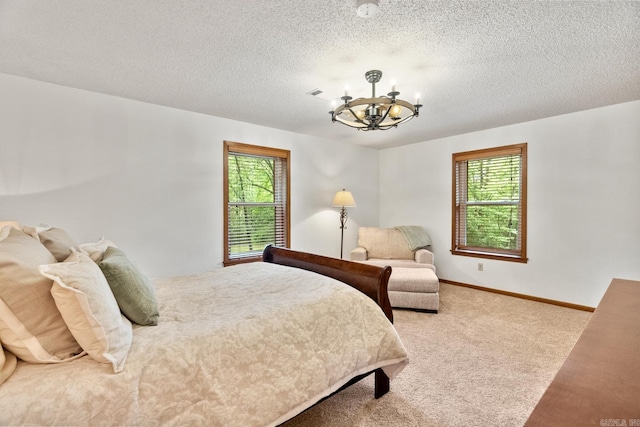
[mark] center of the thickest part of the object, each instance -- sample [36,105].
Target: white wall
[149,178]
[583,202]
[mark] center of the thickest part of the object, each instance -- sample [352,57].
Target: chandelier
[375,113]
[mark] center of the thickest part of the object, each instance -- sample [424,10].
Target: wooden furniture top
[599,382]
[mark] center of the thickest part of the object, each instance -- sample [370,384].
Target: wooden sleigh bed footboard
[368,279]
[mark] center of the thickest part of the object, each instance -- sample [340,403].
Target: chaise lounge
[413,283]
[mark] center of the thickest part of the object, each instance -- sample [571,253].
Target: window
[490,203]
[256,197]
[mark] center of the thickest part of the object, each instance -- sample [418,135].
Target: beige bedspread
[249,345]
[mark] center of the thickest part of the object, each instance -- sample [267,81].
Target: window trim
[231,147]
[497,254]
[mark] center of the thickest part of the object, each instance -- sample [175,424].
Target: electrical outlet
[480,266]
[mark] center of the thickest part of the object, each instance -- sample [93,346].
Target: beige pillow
[14,224]
[31,326]
[89,309]
[56,240]
[8,364]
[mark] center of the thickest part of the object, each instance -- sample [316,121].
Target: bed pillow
[31,326]
[8,364]
[14,224]
[89,309]
[135,293]
[96,250]
[56,240]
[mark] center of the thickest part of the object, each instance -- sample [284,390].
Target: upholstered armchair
[413,283]
[391,246]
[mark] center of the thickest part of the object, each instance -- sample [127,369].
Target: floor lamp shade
[342,200]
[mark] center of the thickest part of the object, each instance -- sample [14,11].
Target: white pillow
[96,250]
[89,309]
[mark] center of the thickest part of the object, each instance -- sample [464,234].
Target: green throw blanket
[417,236]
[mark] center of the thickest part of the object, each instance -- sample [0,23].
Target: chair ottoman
[415,288]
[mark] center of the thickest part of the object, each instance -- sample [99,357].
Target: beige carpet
[485,359]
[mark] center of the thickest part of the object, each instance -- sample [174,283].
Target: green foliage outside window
[492,202]
[252,203]
[250,229]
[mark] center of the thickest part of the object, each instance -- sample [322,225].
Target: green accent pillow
[134,292]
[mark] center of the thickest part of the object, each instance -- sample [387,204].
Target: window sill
[490,255]
[228,262]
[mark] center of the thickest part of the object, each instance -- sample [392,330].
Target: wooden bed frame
[368,279]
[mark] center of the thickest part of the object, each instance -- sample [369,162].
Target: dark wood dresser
[599,383]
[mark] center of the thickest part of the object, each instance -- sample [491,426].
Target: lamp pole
[343,225]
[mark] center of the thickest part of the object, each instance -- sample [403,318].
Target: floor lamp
[342,200]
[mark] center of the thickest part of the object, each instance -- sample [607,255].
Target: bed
[252,344]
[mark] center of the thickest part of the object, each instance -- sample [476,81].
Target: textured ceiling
[476,64]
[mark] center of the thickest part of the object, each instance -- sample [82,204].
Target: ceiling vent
[320,94]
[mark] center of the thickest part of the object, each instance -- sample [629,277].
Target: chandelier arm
[350,124]
[407,105]
[403,120]
[386,113]
[356,117]
[383,100]
[385,127]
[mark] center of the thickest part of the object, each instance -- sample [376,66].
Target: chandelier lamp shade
[375,113]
